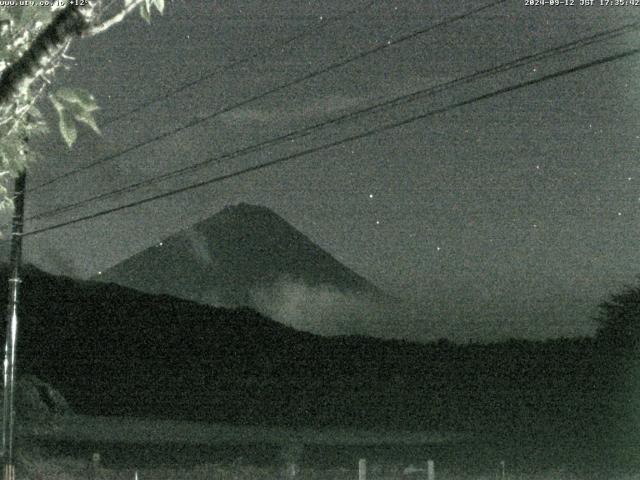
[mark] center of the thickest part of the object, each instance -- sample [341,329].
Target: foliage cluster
[21,116]
[22,119]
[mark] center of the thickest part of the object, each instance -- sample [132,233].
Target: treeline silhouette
[116,351]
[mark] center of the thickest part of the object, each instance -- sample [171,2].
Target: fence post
[502,469]
[362,469]
[94,468]
[291,469]
[431,470]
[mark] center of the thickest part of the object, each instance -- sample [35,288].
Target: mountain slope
[248,256]
[110,350]
[113,350]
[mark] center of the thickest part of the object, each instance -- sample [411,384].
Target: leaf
[6,205]
[145,11]
[77,96]
[12,157]
[87,119]
[8,154]
[67,127]
[5,26]
[74,104]
[35,113]
[159,5]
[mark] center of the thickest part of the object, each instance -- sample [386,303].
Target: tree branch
[70,22]
[25,109]
[107,24]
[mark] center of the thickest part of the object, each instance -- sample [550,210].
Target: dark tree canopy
[619,318]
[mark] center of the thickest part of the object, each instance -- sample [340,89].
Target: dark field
[479,458]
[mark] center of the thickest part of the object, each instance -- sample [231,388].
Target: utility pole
[8,413]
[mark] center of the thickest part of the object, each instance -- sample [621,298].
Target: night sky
[513,216]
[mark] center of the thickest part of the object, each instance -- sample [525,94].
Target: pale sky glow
[529,197]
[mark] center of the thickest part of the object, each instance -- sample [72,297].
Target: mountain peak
[249,215]
[245,255]
[247,208]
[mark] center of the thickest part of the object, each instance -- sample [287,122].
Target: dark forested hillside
[113,351]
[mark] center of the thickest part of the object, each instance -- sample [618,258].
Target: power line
[368,133]
[308,76]
[248,58]
[394,102]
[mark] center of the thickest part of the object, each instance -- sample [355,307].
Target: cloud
[295,111]
[326,310]
[248,115]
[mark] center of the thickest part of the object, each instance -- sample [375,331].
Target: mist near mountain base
[326,310]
